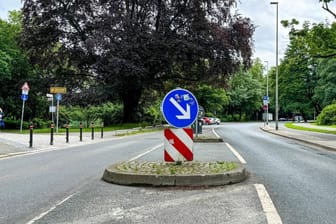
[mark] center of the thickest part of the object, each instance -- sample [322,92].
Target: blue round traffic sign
[24,97]
[180,108]
[58,96]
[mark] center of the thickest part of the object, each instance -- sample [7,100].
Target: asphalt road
[32,183]
[64,186]
[300,178]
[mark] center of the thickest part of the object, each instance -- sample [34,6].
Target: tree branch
[326,7]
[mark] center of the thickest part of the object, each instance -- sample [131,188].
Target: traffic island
[190,173]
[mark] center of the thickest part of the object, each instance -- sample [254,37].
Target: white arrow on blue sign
[179,108]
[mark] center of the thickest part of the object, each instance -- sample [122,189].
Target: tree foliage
[325,90]
[213,100]
[14,66]
[299,75]
[120,48]
[245,91]
[327,116]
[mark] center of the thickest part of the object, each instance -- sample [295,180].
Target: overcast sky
[262,14]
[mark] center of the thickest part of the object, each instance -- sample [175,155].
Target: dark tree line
[107,49]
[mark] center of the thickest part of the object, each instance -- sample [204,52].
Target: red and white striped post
[178,144]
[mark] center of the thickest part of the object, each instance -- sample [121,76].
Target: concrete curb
[112,175]
[208,140]
[299,139]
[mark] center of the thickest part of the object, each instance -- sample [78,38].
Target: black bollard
[92,130]
[67,132]
[31,135]
[102,130]
[80,132]
[52,126]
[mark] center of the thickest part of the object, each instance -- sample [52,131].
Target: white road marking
[271,213]
[146,152]
[240,158]
[50,210]
[215,133]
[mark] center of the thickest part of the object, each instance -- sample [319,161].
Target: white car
[214,120]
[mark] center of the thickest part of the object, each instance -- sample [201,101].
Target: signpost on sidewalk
[265,106]
[52,108]
[59,91]
[24,97]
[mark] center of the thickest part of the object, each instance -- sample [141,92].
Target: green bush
[15,124]
[327,115]
[40,123]
[108,113]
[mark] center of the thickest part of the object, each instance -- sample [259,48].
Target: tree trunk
[131,102]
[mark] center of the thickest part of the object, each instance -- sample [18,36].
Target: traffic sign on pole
[58,96]
[180,108]
[24,97]
[25,89]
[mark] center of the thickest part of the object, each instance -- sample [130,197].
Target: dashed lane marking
[146,152]
[240,158]
[40,216]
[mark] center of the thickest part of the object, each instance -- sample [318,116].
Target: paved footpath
[327,141]
[13,144]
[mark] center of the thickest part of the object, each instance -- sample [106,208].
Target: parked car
[217,120]
[206,120]
[214,120]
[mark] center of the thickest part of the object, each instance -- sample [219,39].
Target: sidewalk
[327,141]
[14,144]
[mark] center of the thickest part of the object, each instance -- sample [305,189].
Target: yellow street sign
[57,89]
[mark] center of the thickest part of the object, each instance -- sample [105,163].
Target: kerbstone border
[115,176]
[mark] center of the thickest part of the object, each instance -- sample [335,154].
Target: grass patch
[297,127]
[186,168]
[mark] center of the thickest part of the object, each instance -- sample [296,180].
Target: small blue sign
[24,97]
[266,98]
[58,96]
[180,108]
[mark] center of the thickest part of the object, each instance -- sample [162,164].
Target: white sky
[263,15]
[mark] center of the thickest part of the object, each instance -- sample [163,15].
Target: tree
[213,100]
[299,75]
[14,66]
[325,90]
[246,90]
[128,46]
[325,6]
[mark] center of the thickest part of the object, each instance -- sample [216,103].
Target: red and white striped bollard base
[178,144]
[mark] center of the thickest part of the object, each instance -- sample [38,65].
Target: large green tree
[127,46]
[14,66]
[325,91]
[246,92]
[299,76]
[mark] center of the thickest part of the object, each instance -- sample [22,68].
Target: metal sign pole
[52,106]
[23,105]
[57,116]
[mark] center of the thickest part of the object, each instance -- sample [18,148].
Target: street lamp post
[267,91]
[277,69]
